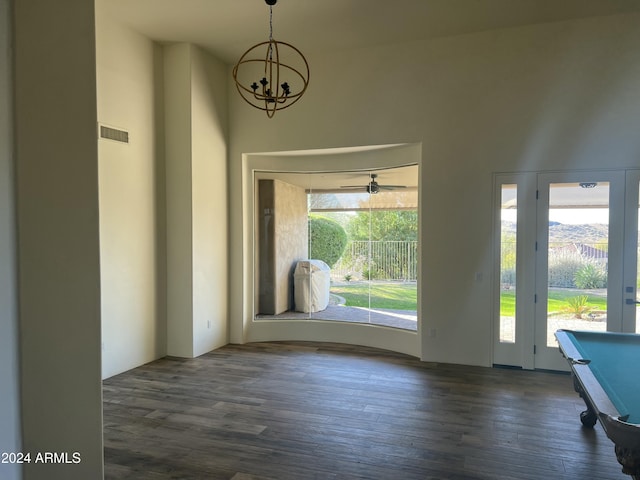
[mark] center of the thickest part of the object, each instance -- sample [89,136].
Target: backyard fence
[378,260]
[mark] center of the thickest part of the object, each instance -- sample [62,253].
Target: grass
[403,296]
[558,301]
[392,296]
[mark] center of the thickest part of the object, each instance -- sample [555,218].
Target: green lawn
[403,296]
[393,296]
[558,300]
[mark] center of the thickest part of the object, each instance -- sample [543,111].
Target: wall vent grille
[115,134]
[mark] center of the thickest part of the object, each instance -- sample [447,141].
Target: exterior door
[515,229]
[567,257]
[579,256]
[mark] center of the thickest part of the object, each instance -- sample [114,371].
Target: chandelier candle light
[284,72]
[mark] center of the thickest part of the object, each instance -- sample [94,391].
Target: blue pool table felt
[613,361]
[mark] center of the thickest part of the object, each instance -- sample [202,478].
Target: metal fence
[378,260]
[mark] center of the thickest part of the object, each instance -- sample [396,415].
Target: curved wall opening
[307,182]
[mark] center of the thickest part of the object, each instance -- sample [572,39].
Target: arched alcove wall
[312,161]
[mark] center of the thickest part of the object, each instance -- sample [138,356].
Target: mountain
[564,232]
[589,233]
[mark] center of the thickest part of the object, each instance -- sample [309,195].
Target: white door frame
[629,314]
[520,352]
[531,270]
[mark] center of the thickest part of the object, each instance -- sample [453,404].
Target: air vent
[115,134]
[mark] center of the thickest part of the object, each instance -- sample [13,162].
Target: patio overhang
[335,200]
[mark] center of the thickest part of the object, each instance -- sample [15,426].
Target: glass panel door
[514,238]
[579,274]
[577,257]
[508,256]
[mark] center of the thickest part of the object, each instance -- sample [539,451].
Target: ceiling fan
[373,186]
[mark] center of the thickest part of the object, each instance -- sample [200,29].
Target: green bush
[562,271]
[590,276]
[371,273]
[327,239]
[578,306]
[508,276]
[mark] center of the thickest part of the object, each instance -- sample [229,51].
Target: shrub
[508,276]
[562,271]
[371,273]
[590,275]
[327,239]
[578,306]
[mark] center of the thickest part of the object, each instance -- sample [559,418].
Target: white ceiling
[228,27]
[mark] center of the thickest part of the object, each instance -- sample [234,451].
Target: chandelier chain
[270,22]
[270,32]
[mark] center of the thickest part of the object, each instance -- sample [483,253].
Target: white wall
[58,255]
[209,120]
[131,197]
[163,198]
[196,156]
[177,100]
[544,97]
[9,369]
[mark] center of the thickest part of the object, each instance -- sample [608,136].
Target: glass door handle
[631,301]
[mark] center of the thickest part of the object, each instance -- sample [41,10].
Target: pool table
[604,370]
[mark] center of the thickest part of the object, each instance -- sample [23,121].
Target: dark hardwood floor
[296,410]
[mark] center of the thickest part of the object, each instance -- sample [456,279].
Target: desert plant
[327,239]
[371,272]
[578,306]
[590,275]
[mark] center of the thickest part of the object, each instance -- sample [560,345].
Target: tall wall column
[58,255]
[9,368]
[196,200]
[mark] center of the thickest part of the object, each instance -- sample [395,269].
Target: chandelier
[271,75]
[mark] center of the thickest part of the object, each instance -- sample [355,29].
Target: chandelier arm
[304,79]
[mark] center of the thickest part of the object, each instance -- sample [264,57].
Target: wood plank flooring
[298,410]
